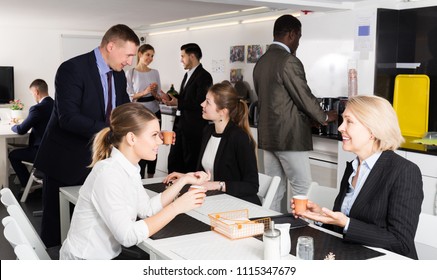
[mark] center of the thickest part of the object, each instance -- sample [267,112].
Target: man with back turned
[286,109]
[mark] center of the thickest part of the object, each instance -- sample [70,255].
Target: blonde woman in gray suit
[381,192]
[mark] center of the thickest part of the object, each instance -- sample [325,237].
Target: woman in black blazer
[227,150]
[381,192]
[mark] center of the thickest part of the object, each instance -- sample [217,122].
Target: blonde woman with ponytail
[112,197]
[227,150]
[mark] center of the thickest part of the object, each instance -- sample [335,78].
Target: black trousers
[185,153]
[151,167]
[150,164]
[50,224]
[17,156]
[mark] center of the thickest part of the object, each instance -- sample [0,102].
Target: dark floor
[33,203]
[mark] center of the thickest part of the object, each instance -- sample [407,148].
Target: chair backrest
[8,198]
[425,240]
[12,232]
[32,178]
[323,196]
[25,252]
[267,189]
[29,231]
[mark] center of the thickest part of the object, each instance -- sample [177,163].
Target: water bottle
[352,83]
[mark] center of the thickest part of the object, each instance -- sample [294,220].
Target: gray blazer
[286,104]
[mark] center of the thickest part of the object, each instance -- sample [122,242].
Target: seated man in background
[37,120]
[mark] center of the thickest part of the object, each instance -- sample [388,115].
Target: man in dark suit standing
[87,88]
[286,110]
[189,123]
[37,120]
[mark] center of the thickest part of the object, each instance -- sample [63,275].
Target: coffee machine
[333,103]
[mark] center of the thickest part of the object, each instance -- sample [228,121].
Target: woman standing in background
[144,86]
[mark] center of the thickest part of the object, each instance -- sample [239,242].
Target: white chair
[29,184]
[7,197]
[425,240]
[29,231]
[13,233]
[14,209]
[25,252]
[323,196]
[267,189]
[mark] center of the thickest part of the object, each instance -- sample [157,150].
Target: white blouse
[210,153]
[109,203]
[139,81]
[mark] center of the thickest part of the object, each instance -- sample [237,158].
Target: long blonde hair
[225,96]
[377,114]
[129,117]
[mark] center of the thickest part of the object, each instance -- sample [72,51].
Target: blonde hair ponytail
[101,145]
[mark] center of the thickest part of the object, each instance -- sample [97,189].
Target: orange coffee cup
[194,187]
[300,203]
[168,137]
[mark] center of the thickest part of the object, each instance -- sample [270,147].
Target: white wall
[34,53]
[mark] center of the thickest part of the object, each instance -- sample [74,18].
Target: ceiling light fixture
[259,19]
[215,15]
[213,25]
[169,22]
[254,9]
[167,31]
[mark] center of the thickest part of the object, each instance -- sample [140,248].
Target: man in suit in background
[37,120]
[87,88]
[286,110]
[189,123]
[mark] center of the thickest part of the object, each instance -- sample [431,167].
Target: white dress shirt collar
[189,73]
[42,99]
[132,170]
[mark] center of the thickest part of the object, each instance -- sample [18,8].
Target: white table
[5,133]
[207,245]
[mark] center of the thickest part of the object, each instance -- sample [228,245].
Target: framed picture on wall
[254,52]
[236,54]
[236,75]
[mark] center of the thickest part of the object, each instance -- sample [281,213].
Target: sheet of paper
[221,203]
[223,248]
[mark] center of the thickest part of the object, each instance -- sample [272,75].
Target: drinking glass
[305,248]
